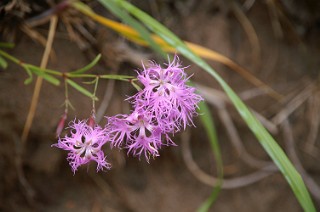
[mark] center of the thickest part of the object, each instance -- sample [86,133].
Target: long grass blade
[207,121]
[143,32]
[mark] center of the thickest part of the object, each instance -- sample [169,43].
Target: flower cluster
[164,106]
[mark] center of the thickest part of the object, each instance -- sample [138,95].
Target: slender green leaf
[3,63]
[207,121]
[269,144]
[29,79]
[9,57]
[136,86]
[116,77]
[81,89]
[6,45]
[212,198]
[125,17]
[44,75]
[87,67]
[45,70]
[90,82]
[106,76]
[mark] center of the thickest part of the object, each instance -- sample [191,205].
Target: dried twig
[314,117]
[29,191]
[20,143]
[290,146]
[297,101]
[34,35]
[248,4]
[35,97]
[250,31]
[218,98]
[210,180]
[234,137]
[275,22]
[111,192]
[37,37]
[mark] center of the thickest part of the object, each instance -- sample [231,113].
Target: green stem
[9,57]
[66,93]
[66,74]
[94,94]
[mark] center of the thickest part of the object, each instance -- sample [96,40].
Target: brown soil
[288,64]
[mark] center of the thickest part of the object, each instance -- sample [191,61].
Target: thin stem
[125,78]
[66,101]
[136,86]
[94,95]
[36,93]
[8,56]
[107,76]
[6,45]
[49,71]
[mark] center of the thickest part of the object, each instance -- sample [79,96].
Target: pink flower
[84,145]
[167,96]
[137,133]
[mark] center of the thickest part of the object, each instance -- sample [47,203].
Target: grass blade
[81,89]
[87,67]
[144,33]
[207,121]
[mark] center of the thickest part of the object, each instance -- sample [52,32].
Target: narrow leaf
[81,89]
[3,63]
[116,77]
[207,121]
[44,75]
[125,17]
[89,66]
[6,45]
[30,78]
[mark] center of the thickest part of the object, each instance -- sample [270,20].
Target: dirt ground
[286,57]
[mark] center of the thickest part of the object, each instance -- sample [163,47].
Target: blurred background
[275,41]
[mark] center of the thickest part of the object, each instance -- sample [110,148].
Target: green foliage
[3,63]
[207,120]
[41,73]
[145,34]
[81,89]
[89,66]
[30,78]
[6,45]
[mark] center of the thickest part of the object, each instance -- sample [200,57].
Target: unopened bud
[61,124]
[92,121]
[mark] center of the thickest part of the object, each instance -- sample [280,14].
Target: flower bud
[61,124]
